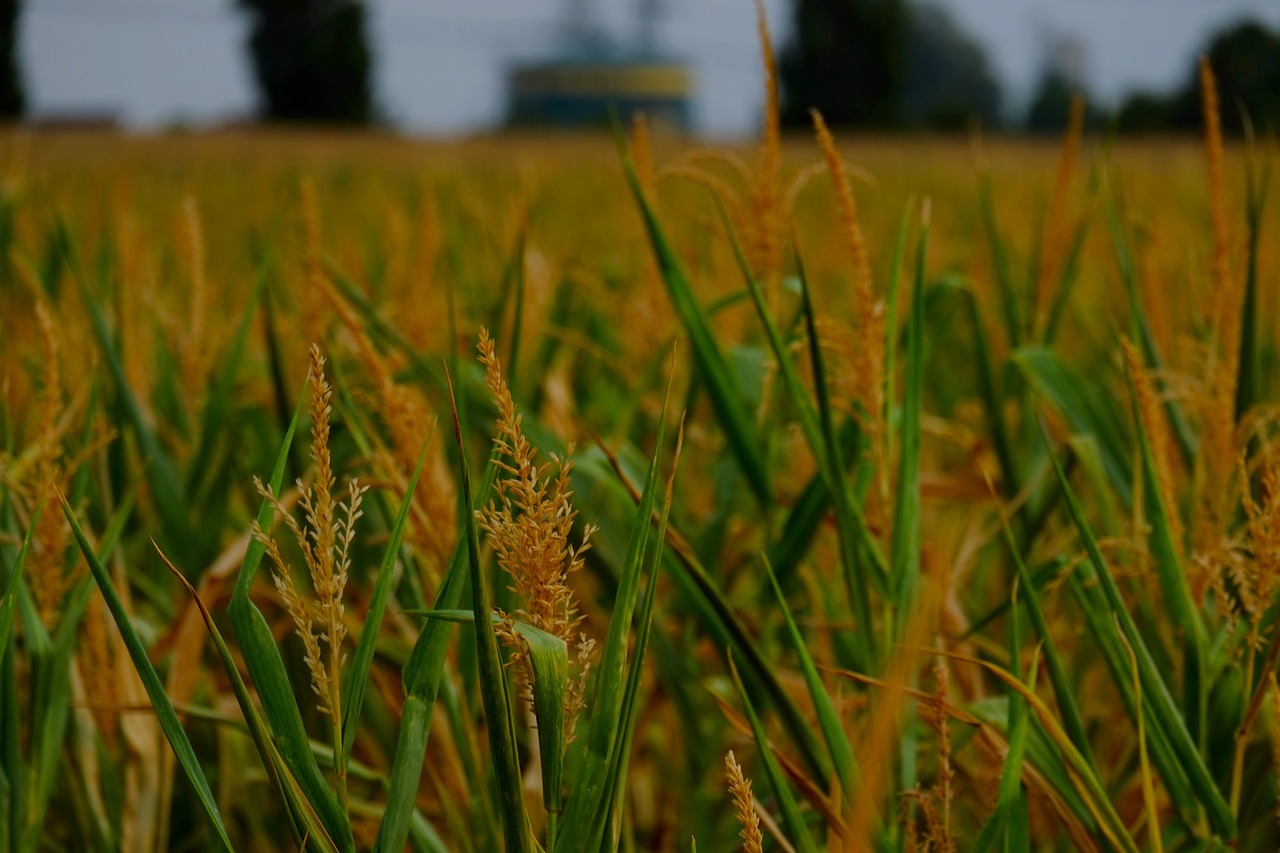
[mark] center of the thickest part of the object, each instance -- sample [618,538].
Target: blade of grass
[588,805]
[1066,282]
[727,628]
[992,397]
[1257,184]
[513,280]
[827,449]
[1155,690]
[9,601]
[493,681]
[1154,827]
[165,714]
[421,678]
[358,672]
[266,669]
[905,544]
[1010,788]
[549,656]
[306,823]
[1000,260]
[12,781]
[161,472]
[1086,407]
[1186,438]
[217,410]
[849,521]
[833,732]
[1104,631]
[891,324]
[1026,583]
[726,397]
[810,510]
[1091,786]
[1173,582]
[803,840]
[621,758]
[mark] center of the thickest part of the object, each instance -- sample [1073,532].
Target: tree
[847,58]
[1145,112]
[1050,107]
[1246,62]
[1066,60]
[949,80]
[884,63]
[1245,59]
[12,97]
[311,59]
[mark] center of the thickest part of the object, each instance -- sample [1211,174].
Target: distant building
[590,75]
[579,91]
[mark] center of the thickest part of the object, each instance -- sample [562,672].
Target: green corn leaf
[12,785]
[422,678]
[588,805]
[822,439]
[1010,789]
[358,673]
[49,659]
[218,407]
[9,601]
[1072,721]
[305,822]
[424,836]
[1106,633]
[267,671]
[1187,442]
[833,732]
[791,816]
[168,497]
[992,397]
[165,714]
[620,760]
[1009,301]
[549,657]
[12,774]
[849,520]
[1066,282]
[1173,584]
[714,371]
[493,681]
[1249,388]
[905,544]
[725,626]
[891,324]
[810,510]
[1156,696]
[1085,778]
[1086,407]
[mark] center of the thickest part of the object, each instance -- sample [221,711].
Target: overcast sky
[440,66]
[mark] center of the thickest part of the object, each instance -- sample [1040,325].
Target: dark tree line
[12,97]
[885,64]
[904,63]
[312,60]
[1246,62]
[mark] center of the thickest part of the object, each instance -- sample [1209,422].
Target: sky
[440,66]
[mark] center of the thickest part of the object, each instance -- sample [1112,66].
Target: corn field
[582,494]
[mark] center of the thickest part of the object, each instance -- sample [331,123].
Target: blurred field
[160,296]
